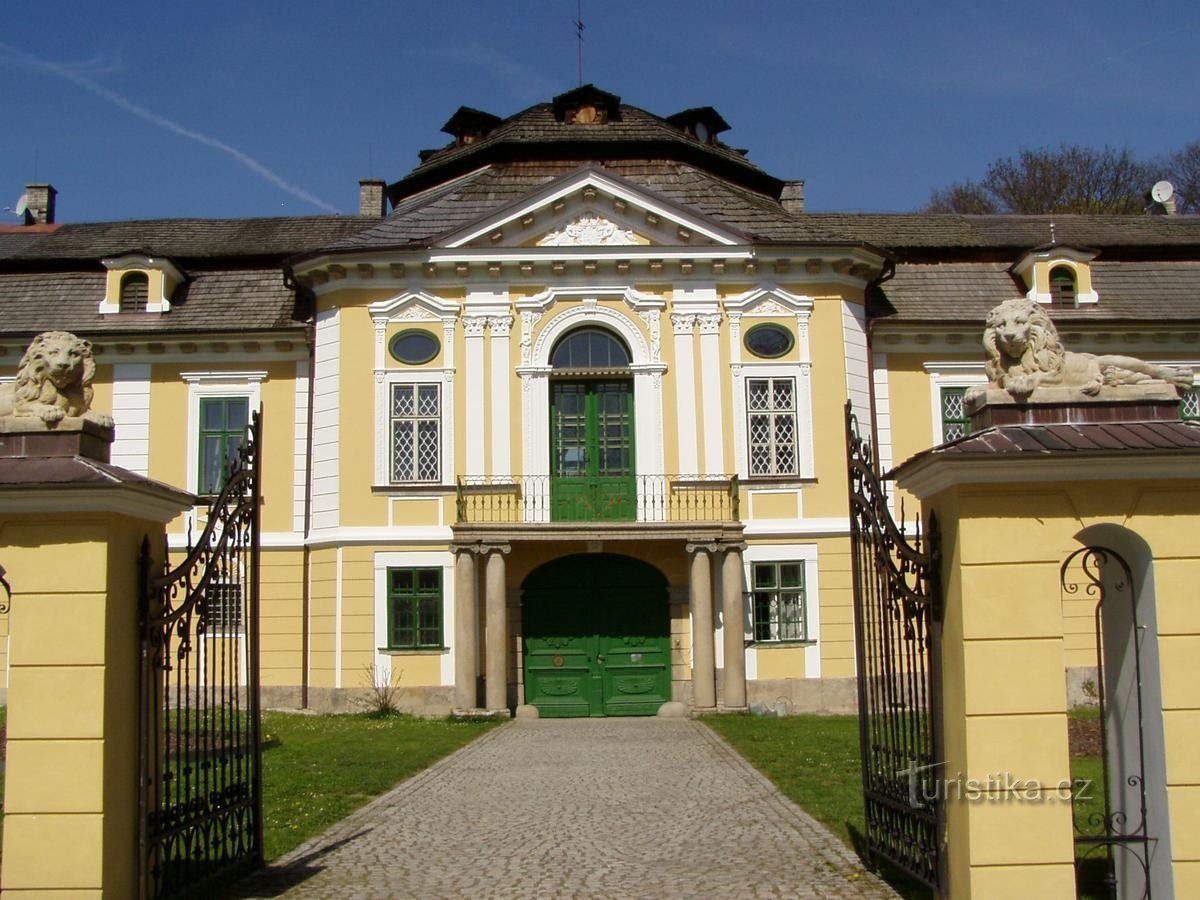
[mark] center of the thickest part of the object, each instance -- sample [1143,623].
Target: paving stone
[577,808]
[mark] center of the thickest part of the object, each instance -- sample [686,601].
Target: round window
[768,340]
[414,346]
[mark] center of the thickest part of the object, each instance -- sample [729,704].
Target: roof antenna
[579,33]
[1052,239]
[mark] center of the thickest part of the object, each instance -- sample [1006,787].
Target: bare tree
[1182,169]
[1071,179]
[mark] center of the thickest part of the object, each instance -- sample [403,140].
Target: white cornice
[932,474]
[150,501]
[327,537]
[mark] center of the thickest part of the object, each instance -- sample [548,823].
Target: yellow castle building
[556,422]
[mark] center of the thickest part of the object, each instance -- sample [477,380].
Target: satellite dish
[22,205]
[1162,192]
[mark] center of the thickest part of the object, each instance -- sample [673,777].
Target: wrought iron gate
[1112,844]
[200,794]
[897,637]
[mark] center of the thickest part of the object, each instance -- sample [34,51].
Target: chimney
[39,204]
[370,198]
[792,198]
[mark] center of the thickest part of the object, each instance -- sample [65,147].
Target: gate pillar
[1011,501]
[71,528]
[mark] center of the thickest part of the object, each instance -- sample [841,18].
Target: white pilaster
[683,325]
[131,416]
[326,421]
[300,447]
[473,326]
[500,328]
[854,334]
[710,381]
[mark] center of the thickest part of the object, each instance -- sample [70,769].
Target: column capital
[486,547]
[733,546]
[702,546]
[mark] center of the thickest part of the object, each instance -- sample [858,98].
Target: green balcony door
[596,637]
[591,451]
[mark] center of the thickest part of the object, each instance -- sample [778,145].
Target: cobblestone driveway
[571,808]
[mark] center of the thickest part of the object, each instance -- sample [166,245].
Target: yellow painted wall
[827,498]
[281,623]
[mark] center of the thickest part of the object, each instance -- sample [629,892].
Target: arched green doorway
[597,637]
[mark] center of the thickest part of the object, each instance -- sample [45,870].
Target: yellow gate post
[71,527]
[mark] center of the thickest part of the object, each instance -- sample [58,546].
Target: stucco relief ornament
[588,231]
[1025,356]
[653,320]
[529,319]
[54,381]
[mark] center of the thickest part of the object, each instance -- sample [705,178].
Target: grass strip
[319,769]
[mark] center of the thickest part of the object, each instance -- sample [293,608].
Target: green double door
[596,637]
[591,433]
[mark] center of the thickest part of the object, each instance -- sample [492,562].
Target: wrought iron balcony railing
[534,499]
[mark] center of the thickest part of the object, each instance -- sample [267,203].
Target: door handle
[600,659]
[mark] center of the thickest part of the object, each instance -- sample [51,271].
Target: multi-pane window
[416,432]
[222,612]
[777,601]
[955,422]
[414,608]
[771,423]
[1189,404]
[223,423]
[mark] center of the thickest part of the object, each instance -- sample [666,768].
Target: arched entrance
[597,637]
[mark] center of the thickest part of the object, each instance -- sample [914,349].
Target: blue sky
[212,108]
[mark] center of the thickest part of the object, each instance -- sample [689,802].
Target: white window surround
[807,554]
[949,375]
[769,301]
[215,384]
[645,364]
[1029,266]
[388,661]
[137,262]
[413,307]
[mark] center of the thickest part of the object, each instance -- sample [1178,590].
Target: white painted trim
[347,535]
[822,527]
[383,406]
[569,184]
[300,446]
[807,554]
[933,474]
[685,392]
[854,339]
[883,410]
[326,441]
[268,540]
[712,402]
[152,501]
[391,559]
[337,621]
[500,331]
[476,398]
[944,375]
[131,416]
[214,384]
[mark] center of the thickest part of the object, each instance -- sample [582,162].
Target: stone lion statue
[54,381]
[1024,352]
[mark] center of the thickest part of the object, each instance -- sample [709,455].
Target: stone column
[704,685]
[496,634]
[733,611]
[466,658]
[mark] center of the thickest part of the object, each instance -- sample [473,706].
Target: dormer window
[135,289]
[1062,286]
[1057,274]
[139,283]
[586,105]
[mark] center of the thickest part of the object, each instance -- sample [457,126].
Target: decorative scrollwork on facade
[591,231]
[473,325]
[529,319]
[653,320]
[710,323]
[501,326]
[683,323]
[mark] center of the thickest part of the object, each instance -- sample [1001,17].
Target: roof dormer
[1057,275]
[702,122]
[587,105]
[468,125]
[139,283]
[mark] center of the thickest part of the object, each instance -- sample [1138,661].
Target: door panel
[597,637]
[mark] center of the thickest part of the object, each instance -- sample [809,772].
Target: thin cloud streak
[15,56]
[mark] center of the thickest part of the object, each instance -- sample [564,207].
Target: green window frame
[955,421]
[414,609]
[223,423]
[778,601]
[1189,404]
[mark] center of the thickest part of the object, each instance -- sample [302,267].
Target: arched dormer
[139,283]
[1057,274]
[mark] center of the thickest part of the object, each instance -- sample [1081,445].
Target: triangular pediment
[592,208]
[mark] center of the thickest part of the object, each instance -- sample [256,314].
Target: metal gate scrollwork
[1112,841]
[897,637]
[200,787]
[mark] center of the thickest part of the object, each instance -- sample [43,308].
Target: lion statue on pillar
[1024,353]
[54,381]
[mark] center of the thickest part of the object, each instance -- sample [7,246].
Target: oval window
[768,340]
[414,346]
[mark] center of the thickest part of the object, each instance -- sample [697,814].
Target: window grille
[416,432]
[955,422]
[771,423]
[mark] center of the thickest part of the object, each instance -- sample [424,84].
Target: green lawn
[319,769]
